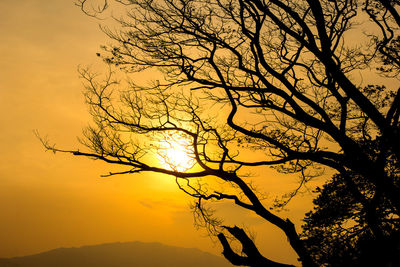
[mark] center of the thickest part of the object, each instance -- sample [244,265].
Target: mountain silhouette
[130,254]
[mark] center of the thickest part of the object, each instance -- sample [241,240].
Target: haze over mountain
[131,254]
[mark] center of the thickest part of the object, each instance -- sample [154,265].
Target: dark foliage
[339,231]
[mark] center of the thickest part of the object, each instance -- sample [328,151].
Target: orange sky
[49,201]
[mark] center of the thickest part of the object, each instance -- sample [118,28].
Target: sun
[175,152]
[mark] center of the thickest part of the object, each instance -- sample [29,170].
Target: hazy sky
[49,201]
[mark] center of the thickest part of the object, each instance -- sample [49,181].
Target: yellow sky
[49,201]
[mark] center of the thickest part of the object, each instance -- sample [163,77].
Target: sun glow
[176,153]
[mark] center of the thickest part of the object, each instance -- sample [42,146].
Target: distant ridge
[129,254]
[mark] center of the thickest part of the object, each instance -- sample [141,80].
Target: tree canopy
[338,232]
[300,84]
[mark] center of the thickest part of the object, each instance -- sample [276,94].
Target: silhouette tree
[279,79]
[338,232]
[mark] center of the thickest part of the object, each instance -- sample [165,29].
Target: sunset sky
[56,200]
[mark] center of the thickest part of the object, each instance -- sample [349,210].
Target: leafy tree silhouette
[277,78]
[341,232]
